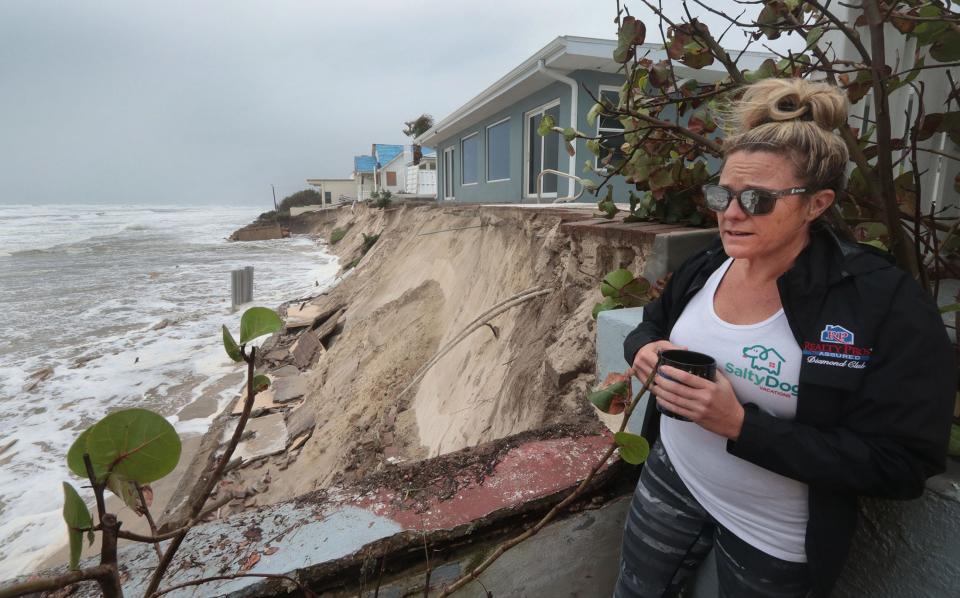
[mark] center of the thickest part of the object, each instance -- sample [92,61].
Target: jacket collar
[825,261]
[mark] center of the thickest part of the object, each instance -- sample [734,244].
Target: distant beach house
[489,150]
[401,175]
[364,173]
[334,190]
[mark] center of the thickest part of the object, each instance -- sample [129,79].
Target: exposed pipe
[574,92]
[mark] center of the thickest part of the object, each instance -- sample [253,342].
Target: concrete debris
[287,370]
[262,402]
[289,388]
[305,349]
[269,437]
[326,329]
[302,315]
[301,420]
[299,441]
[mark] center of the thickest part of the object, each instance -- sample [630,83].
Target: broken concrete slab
[300,315]
[287,370]
[269,437]
[289,388]
[301,420]
[308,314]
[263,400]
[326,329]
[305,349]
[319,536]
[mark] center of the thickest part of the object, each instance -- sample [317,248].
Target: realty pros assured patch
[836,348]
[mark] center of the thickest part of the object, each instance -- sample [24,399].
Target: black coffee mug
[698,364]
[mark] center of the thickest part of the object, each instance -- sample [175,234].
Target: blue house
[489,150]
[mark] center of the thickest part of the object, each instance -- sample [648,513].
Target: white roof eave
[560,48]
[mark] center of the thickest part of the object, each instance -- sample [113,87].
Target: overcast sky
[194,101]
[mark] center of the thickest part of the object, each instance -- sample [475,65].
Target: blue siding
[511,190]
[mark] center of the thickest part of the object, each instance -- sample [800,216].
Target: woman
[835,377]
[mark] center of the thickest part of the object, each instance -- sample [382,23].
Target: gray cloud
[212,101]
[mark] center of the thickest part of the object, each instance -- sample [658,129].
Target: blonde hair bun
[778,100]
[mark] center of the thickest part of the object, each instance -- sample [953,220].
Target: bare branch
[46,584]
[215,476]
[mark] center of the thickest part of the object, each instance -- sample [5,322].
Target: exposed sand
[410,295]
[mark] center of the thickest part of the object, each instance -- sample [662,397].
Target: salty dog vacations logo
[836,349]
[764,371]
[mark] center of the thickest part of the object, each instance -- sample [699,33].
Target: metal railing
[566,198]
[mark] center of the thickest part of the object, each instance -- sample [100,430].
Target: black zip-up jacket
[879,427]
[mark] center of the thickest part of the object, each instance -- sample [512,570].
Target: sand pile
[431,272]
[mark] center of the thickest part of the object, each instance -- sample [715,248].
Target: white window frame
[487,150]
[526,147]
[462,139]
[600,129]
[448,174]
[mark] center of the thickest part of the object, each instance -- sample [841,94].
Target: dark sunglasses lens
[756,202]
[717,198]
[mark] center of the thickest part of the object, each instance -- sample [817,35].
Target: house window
[469,157]
[610,128]
[327,196]
[391,178]
[498,151]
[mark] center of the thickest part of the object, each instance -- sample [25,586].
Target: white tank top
[762,362]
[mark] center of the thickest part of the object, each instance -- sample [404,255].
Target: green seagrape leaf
[929,31]
[75,456]
[77,517]
[813,36]
[633,449]
[947,47]
[258,321]
[696,56]
[594,146]
[607,303]
[230,345]
[569,133]
[767,69]
[546,125]
[138,444]
[603,399]
[614,281]
[588,184]
[260,382]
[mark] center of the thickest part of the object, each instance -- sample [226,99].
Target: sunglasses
[753,201]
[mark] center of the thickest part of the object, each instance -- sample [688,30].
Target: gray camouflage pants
[668,534]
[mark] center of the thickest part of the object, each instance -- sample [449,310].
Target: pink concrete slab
[532,470]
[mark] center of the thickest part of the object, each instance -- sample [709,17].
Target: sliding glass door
[541,152]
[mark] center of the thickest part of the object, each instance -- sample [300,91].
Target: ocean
[110,307]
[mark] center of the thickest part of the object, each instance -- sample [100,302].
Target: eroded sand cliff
[434,270]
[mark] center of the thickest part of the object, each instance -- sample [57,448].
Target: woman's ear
[819,202]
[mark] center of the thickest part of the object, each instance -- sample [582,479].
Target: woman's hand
[647,357]
[711,405]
